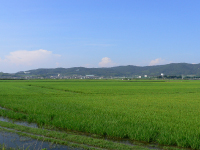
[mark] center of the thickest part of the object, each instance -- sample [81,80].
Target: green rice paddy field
[163,112]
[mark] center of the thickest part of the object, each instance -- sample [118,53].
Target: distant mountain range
[128,71]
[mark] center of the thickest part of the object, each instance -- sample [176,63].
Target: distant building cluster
[27,75]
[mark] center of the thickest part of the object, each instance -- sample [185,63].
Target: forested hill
[169,69]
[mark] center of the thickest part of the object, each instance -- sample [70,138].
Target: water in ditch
[23,123]
[13,140]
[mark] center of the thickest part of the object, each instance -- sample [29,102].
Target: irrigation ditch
[15,141]
[23,135]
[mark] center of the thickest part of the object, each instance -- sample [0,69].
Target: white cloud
[24,59]
[106,62]
[158,61]
[87,65]
[57,64]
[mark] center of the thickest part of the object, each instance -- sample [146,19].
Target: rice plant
[166,113]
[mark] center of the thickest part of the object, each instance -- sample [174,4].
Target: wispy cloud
[106,62]
[100,45]
[158,61]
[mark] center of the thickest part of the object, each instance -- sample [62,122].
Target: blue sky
[97,33]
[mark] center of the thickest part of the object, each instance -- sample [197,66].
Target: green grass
[166,113]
